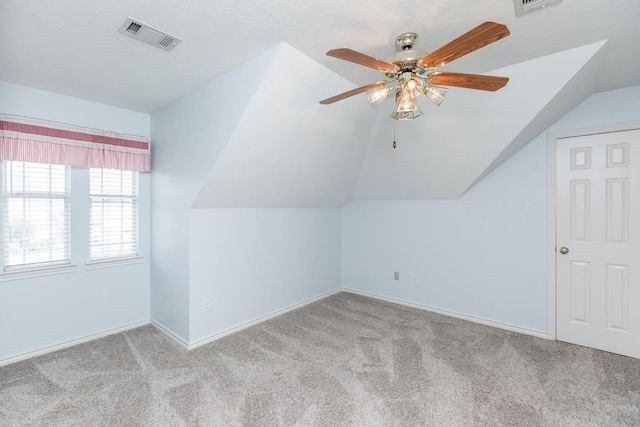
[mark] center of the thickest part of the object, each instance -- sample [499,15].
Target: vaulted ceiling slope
[441,155]
[287,151]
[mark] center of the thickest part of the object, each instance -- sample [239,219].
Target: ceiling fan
[413,71]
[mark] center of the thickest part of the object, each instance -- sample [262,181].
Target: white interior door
[598,226]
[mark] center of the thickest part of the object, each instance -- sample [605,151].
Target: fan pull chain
[394,134]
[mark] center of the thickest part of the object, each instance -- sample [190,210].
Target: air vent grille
[527,6]
[148,34]
[133,27]
[167,41]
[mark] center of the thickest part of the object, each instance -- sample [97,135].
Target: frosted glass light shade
[436,94]
[377,94]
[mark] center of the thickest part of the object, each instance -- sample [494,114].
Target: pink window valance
[27,139]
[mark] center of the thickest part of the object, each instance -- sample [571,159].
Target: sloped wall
[441,154]
[254,138]
[288,151]
[188,136]
[265,228]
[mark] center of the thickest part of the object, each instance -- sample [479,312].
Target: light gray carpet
[345,360]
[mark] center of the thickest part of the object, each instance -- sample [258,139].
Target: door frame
[552,144]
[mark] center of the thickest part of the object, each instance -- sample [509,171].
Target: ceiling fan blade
[470,41]
[351,93]
[469,81]
[362,59]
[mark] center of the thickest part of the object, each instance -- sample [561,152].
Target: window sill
[28,273]
[113,262]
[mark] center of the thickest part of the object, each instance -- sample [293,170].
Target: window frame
[34,269]
[100,198]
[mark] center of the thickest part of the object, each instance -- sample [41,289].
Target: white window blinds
[36,215]
[113,198]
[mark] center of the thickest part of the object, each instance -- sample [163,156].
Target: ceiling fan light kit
[436,94]
[406,108]
[377,94]
[412,72]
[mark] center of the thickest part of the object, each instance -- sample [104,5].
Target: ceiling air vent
[526,6]
[148,34]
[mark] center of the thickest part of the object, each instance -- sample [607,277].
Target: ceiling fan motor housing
[405,41]
[406,57]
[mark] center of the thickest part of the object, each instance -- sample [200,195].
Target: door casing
[552,143]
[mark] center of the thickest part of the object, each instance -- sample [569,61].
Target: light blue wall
[45,311]
[188,136]
[478,255]
[468,253]
[251,262]
[246,262]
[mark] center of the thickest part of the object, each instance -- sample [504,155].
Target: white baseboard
[191,345]
[261,319]
[466,317]
[65,344]
[180,341]
[166,331]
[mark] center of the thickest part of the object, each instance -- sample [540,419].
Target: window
[36,215]
[113,198]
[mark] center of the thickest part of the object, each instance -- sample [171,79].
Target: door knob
[564,250]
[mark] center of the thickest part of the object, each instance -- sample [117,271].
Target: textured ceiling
[73,47]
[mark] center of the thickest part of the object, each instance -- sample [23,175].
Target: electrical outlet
[414,280]
[367,272]
[205,305]
[396,275]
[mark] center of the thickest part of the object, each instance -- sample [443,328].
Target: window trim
[23,271]
[114,261]
[29,272]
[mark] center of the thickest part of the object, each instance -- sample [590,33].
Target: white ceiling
[73,47]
